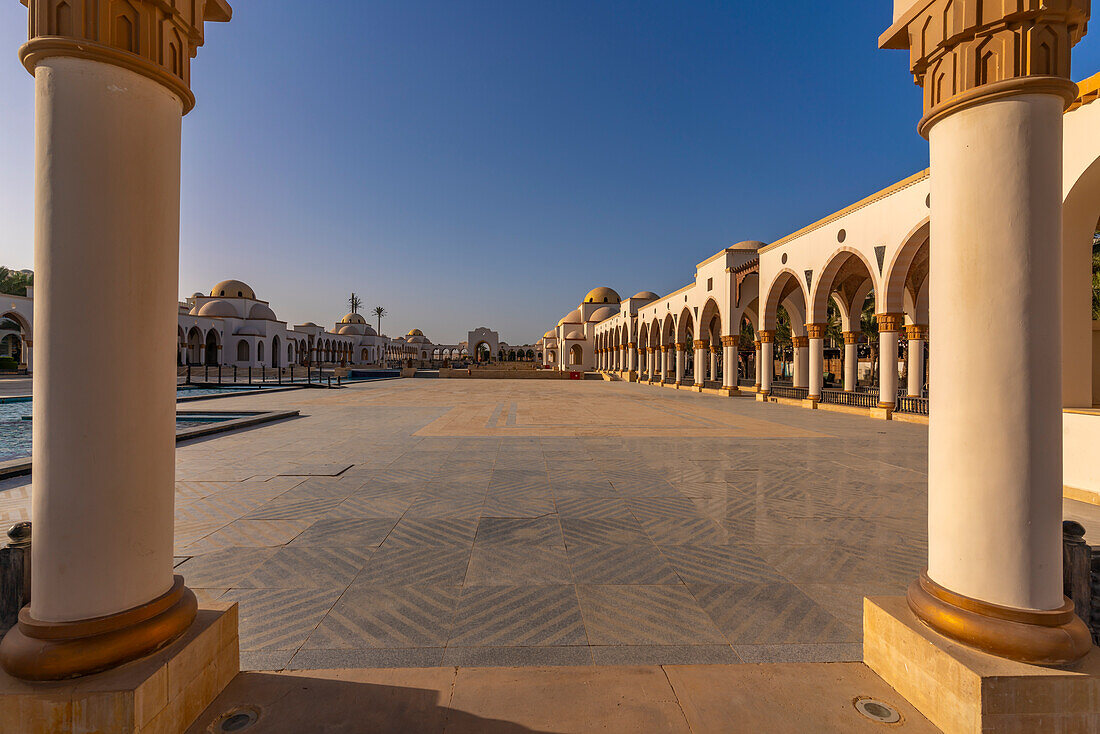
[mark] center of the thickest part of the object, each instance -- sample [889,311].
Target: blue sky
[486,162]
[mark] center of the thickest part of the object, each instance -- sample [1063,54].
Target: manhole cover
[238,719]
[878,711]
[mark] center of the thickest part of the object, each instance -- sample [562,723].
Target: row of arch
[199,347]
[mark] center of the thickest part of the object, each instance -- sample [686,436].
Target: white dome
[573,317]
[233,289]
[262,311]
[602,313]
[645,296]
[248,331]
[575,334]
[216,309]
[356,329]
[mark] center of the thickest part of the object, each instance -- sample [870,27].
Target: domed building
[576,344]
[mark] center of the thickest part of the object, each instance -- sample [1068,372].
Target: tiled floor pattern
[394,524]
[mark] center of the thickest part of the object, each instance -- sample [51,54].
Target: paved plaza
[419,523]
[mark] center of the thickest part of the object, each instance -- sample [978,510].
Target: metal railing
[784,391]
[857,399]
[745,382]
[906,404]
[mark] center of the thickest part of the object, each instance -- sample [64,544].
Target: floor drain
[878,711]
[236,720]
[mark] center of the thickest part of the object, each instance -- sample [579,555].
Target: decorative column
[799,361]
[995,87]
[699,371]
[110,93]
[650,364]
[713,374]
[767,366]
[681,362]
[815,334]
[851,360]
[888,326]
[729,364]
[758,359]
[631,357]
[916,334]
[665,366]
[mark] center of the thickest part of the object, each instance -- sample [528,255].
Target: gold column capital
[714,349]
[756,343]
[890,321]
[154,38]
[916,331]
[799,341]
[765,336]
[730,340]
[681,346]
[816,331]
[700,344]
[851,337]
[631,345]
[961,53]
[664,347]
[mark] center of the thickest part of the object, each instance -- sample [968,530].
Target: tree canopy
[14,282]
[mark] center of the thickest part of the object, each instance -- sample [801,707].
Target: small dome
[602,313]
[415,332]
[262,311]
[602,295]
[575,334]
[747,245]
[573,317]
[196,294]
[233,289]
[308,323]
[350,329]
[645,296]
[418,340]
[368,330]
[352,318]
[549,335]
[216,309]
[248,331]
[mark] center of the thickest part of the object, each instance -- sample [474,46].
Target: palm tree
[15,282]
[379,311]
[355,303]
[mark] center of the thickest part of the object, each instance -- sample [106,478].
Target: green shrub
[8,364]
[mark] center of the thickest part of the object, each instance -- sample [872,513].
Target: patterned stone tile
[771,613]
[518,616]
[685,530]
[644,615]
[388,616]
[511,564]
[513,507]
[249,533]
[293,508]
[605,531]
[307,567]
[712,564]
[620,564]
[363,506]
[279,619]
[418,532]
[593,507]
[447,507]
[358,533]
[225,568]
[438,564]
[535,531]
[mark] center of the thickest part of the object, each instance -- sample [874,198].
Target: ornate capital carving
[714,349]
[799,341]
[664,348]
[765,336]
[701,344]
[730,341]
[962,52]
[851,337]
[816,331]
[681,347]
[890,321]
[916,331]
[155,38]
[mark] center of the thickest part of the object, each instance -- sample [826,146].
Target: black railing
[795,393]
[745,382]
[906,404]
[857,399]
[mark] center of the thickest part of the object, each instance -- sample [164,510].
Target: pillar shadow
[303,705]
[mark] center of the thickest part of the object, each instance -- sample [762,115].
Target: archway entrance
[482,353]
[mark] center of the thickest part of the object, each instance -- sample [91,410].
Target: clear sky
[486,162]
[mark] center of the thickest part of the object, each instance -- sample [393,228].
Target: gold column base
[1055,637]
[35,650]
[883,405]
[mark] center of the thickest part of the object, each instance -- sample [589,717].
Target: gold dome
[233,289]
[602,295]
[415,332]
[353,318]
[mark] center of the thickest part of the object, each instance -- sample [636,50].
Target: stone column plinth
[108,113]
[995,87]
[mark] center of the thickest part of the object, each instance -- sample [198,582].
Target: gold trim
[37,650]
[816,331]
[765,336]
[1054,85]
[1054,637]
[700,344]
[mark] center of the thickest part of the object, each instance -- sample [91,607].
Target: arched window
[242,351]
[575,354]
[260,350]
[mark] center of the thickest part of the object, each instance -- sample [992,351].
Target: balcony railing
[745,382]
[795,393]
[906,404]
[857,399]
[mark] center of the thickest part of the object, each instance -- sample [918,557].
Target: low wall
[1080,469]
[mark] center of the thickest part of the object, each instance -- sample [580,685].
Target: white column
[995,495]
[915,367]
[632,357]
[699,371]
[888,325]
[729,361]
[759,361]
[767,366]
[801,361]
[851,360]
[816,366]
[714,363]
[681,362]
